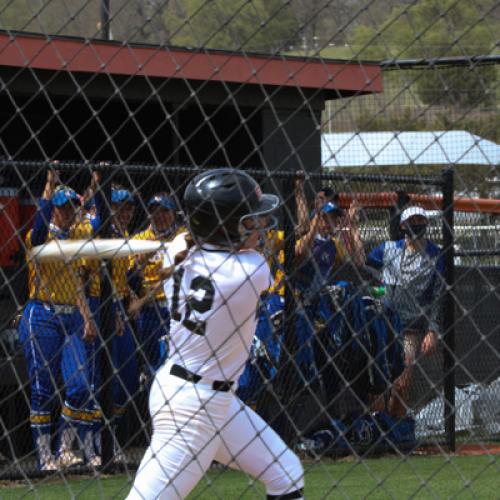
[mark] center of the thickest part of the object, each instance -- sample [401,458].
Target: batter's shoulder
[256,268]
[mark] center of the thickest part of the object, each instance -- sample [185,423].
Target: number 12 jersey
[213,295]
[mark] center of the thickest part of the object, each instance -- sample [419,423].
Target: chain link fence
[372,342]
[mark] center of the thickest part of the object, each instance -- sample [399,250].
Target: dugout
[75,99]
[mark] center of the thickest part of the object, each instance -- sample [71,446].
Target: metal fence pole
[104,15]
[289,383]
[449,308]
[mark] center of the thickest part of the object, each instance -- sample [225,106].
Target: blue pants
[123,358]
[153,327]
[126,382]
[304,330]
[53,346]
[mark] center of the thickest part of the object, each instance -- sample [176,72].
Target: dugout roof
[78,99]
[56,53]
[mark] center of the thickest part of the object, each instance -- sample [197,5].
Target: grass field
[419,477]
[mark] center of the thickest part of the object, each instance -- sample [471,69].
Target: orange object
[9,227]
[27,212]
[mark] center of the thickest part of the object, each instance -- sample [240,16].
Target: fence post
[448,307]
[104,24]
[288,383]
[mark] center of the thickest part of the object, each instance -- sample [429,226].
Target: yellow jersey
[56,282]
[120,266]
[152,268]
[274,251]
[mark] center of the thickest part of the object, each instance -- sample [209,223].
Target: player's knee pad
[284,477]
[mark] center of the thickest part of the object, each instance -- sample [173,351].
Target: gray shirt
[413,281]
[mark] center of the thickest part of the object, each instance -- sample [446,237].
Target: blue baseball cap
[164,201]
[331,208]
[63,195]
[121,196]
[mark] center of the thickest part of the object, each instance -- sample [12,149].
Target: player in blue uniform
[150,305]
[57,326]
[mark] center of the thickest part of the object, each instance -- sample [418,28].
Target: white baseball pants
[194,425]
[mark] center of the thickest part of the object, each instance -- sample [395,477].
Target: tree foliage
[258,25]
[439,28]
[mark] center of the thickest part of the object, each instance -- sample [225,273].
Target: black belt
[217,385]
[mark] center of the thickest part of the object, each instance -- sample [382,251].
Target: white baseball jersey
[213,298]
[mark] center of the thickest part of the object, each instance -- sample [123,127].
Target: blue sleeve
[96,222]
[376,257]
[41,224]
[440,265]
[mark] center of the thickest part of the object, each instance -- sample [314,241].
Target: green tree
[16,15]
[258,25]
[439,28]
[54,17]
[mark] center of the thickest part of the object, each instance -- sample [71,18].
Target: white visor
[411,211]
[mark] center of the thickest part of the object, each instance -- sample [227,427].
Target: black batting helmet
[217,201]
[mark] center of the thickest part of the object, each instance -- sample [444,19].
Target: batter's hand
[429,344]
[89,331]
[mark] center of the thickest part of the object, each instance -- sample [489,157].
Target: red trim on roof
[79,55]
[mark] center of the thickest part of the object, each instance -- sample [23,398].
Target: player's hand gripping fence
[372,340]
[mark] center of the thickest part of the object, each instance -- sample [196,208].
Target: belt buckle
[63,309]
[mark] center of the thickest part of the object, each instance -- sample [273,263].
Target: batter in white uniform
[213,295]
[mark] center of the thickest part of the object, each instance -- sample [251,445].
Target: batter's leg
[249,444]
[184,441]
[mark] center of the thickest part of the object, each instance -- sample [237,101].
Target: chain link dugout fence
[275,88]
[289,378]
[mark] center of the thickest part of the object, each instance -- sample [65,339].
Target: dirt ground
[465,450]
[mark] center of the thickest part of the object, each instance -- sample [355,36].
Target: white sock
[68,435]
[88,445]
[43,447]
